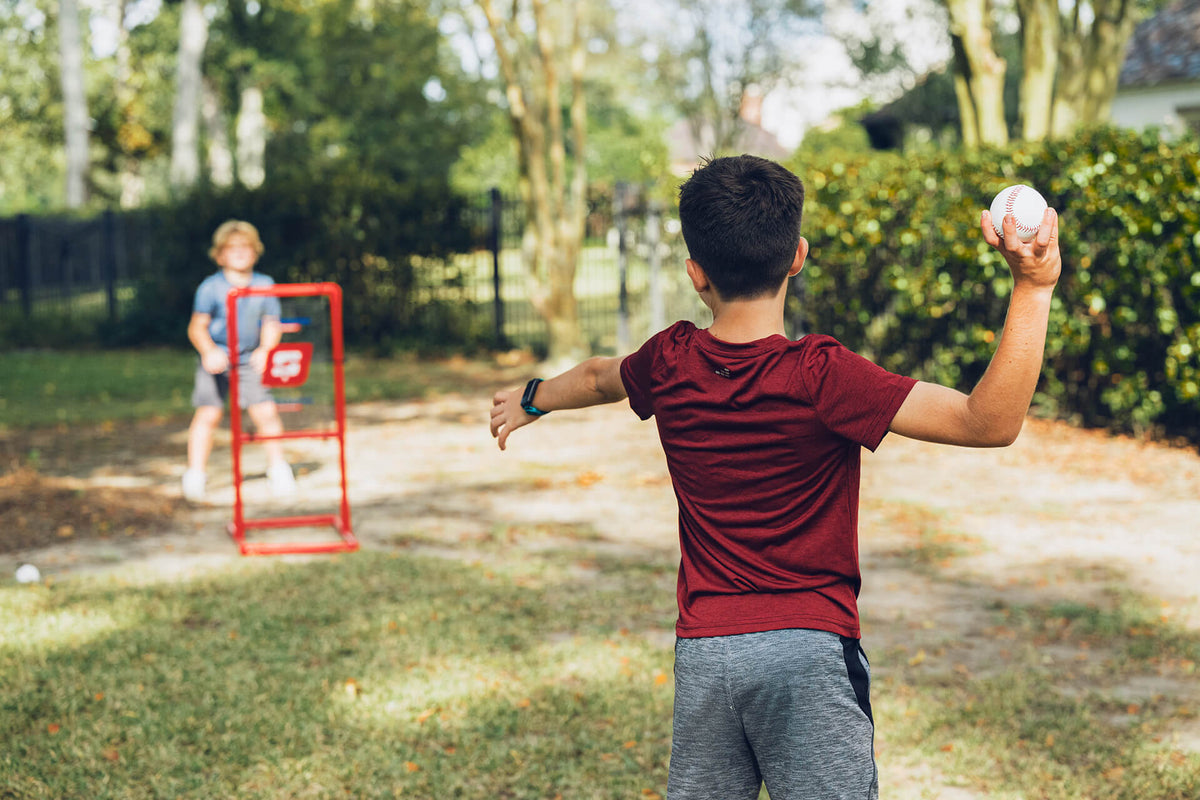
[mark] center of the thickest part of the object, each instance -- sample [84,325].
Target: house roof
[1164,48]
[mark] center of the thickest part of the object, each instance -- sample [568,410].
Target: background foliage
[898,270]
[898,273]
[375,237]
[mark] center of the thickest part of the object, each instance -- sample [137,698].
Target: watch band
[527,399]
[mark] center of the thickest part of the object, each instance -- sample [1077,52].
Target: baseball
[1026,206]
[28,573]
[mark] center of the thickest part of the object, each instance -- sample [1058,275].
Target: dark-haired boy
[763,438]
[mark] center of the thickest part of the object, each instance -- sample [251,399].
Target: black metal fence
[629,278]
[68,268]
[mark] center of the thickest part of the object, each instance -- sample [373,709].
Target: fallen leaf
[53,727]
[917,659]
[111,754]
[411,767]
[588,478]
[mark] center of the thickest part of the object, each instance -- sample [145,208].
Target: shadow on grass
[364,676]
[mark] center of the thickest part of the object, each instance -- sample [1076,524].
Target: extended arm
[212,355]
[590,383]
[992,414]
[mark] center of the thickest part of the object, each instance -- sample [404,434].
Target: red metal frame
[341,520]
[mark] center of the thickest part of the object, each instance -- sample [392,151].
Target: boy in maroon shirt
[763,438]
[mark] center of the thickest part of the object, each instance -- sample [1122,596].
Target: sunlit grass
[513,675]
[366,676]
[1050,718]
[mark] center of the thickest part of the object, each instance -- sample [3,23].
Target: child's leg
[200,436]
[265,417]
[803,699]
[710,757]
[266,421]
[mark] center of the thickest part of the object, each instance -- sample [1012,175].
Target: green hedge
[899,270]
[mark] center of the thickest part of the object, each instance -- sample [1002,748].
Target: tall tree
[75,114]
[185,122]
[1093,38]
[1072,51]
[978,73]
[1040,37]
[539,45]
[718,54]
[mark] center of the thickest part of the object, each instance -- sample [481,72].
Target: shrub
[900,272]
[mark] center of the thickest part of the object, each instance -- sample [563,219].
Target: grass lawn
[537,664]
[363,676]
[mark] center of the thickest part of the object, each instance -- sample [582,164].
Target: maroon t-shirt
[763,442]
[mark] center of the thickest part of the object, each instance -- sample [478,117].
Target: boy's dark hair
[741,221]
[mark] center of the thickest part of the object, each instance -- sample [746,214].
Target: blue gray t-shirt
[210,299]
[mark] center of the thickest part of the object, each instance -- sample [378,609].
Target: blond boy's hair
[234,227]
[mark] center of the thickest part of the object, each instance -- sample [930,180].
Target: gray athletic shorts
[788,708]
[213,390]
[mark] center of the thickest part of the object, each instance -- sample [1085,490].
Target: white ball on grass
[28,573]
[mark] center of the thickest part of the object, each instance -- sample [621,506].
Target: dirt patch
[39,511]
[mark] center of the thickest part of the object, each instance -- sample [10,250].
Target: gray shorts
[788,708]
[213,390]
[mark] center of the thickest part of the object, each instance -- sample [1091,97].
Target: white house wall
[1163,106]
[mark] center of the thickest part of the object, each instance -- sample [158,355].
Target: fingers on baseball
[989,232]
[1048,231]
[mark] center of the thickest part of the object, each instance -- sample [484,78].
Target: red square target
[287,364]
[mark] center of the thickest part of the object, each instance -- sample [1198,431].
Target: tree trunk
[556,207]
[75,114]
[251,139]
[1040,33]
[216,135]
[1090,58]
[185,123]
[981,69]
[1070,86]
[1114,25]
[968,118]
[131,136]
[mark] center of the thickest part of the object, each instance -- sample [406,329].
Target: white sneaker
[283,483]
[194,484]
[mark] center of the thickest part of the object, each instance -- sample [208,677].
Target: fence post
[108,261]
[658,314]
[25,264]
[495,241]
[620,200]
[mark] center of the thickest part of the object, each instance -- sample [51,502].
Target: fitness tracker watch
[527,399]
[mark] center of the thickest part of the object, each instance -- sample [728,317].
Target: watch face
[530,391]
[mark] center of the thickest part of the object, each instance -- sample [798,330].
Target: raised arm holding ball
[763,438]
